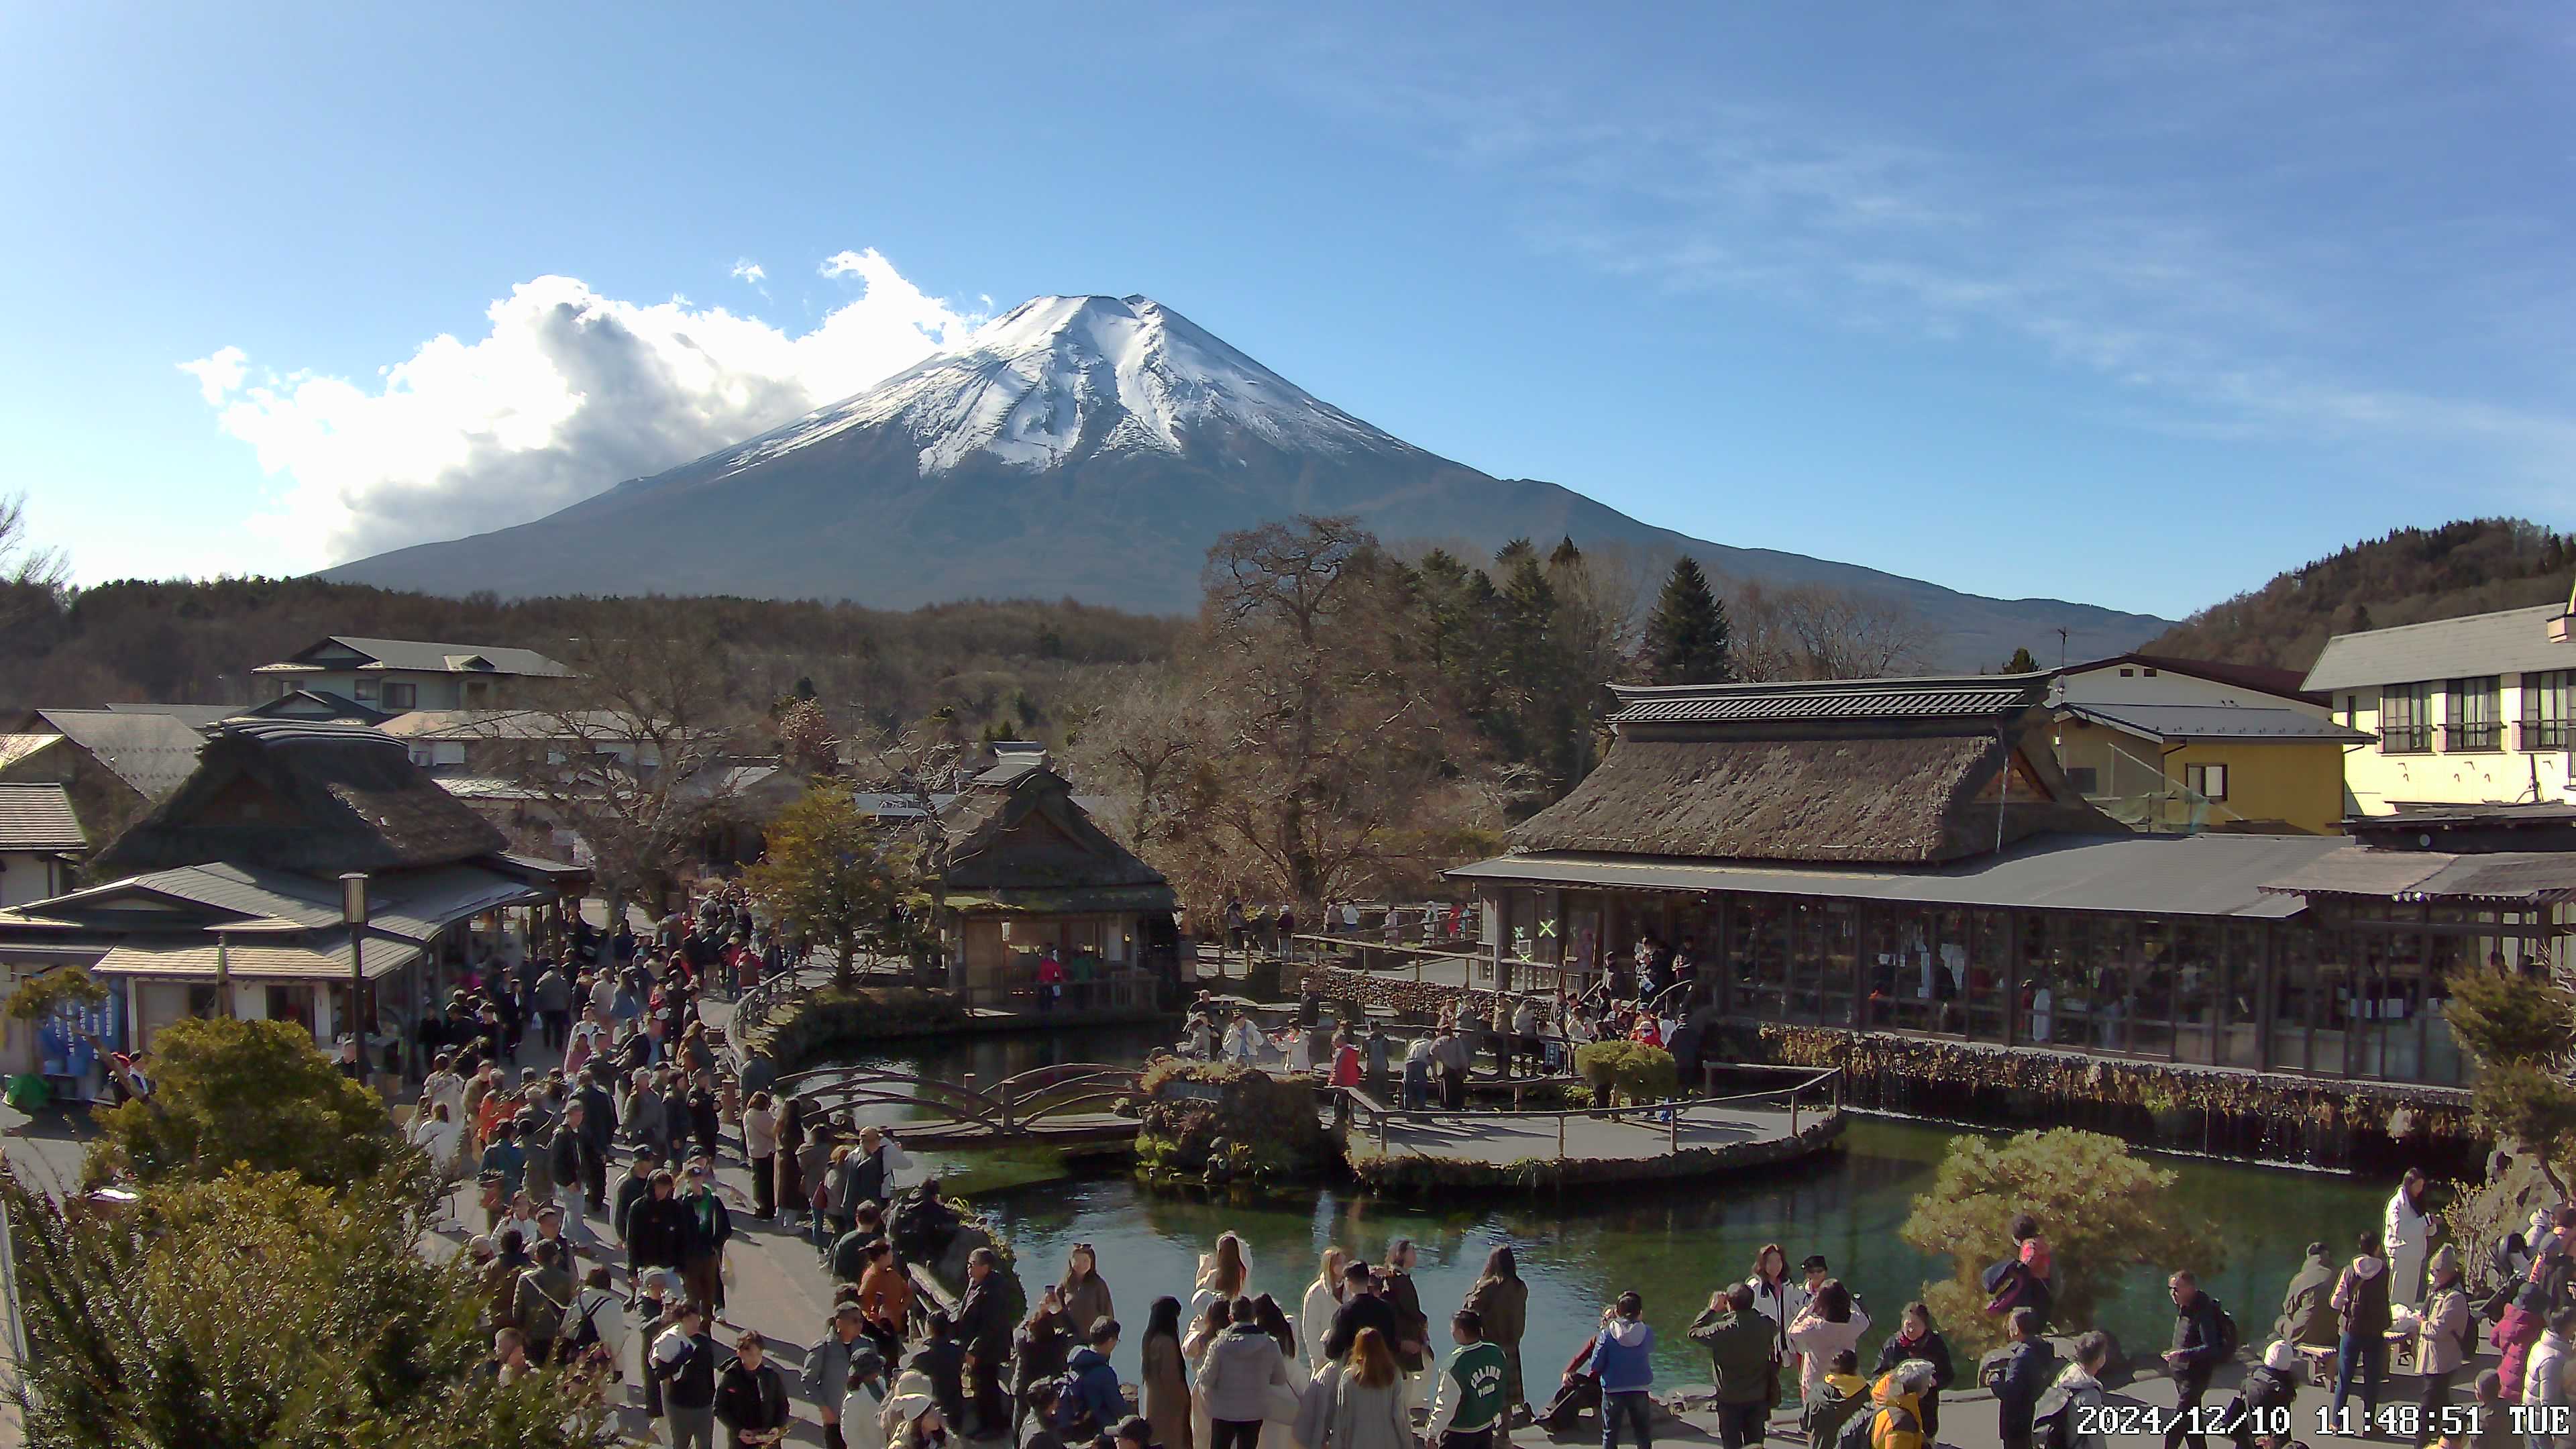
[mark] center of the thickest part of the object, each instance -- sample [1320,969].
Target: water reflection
[1579,1248]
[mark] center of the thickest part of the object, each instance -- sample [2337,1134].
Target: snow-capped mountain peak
[1058,376]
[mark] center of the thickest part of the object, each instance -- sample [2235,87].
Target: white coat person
[2408,1231]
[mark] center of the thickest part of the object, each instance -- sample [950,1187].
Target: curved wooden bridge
[1068,1103]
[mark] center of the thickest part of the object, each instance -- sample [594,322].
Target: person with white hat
[911,1417]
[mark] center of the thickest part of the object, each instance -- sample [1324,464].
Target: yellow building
[2182,746]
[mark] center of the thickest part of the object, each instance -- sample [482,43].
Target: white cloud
[750,271]
[219,374]
[568,393]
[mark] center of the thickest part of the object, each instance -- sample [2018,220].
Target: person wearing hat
[863,1399]
[827,1368]
[2445,1339]
[2269,1389]
[912,1419]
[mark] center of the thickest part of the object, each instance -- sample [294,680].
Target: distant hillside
[2474,566]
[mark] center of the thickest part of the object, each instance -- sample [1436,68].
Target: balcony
[2406,739]
[2534,735]
[2482,737]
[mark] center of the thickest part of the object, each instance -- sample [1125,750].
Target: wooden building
[1906,855]
[1026,869]
[226,898]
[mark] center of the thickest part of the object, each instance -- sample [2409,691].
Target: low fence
[1813,1091]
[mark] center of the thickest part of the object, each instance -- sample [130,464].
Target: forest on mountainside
[1002,668]
[2408,576]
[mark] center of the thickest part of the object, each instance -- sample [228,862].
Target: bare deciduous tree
[1812,631]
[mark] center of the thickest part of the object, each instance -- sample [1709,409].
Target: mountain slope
[1092,448]
[2409,576]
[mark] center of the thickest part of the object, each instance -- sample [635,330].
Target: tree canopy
[830,873]
[2104,1210]
[254,1309]
[250,1094]
[1687,637]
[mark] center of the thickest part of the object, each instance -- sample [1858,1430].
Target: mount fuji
[1092,448]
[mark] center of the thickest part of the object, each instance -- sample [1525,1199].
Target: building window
[2405,719]
[2147,673]
[2547,702]
[365,688]
[2128,673]
[2207,781]
[2473,724]
[2085,778]
[401,696]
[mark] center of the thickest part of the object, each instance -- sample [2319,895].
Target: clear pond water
[1580,1248]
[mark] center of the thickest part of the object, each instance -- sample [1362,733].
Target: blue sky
[2135,305]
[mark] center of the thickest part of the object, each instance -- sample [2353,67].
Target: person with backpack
[1740,1344]
[1895,1420]
[2269,1391]
[2204,1337]
[542,1297]
[595,1329]
[1088,1400]
[2445,1339]
[2070,1413]
[2018,1374]
[684,1363]
[1914,1338]
[1840,1394]
[2361,1296]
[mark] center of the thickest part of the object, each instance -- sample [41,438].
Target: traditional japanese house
[1026,869]
[227,898]
[1906,855]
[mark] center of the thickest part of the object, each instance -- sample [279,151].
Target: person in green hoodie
[1837,1397]
[1740,1342]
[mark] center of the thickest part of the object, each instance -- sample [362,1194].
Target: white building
[397,675]
[2467,711]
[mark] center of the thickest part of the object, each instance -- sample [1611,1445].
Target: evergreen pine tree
[1687,637]
[2021,662]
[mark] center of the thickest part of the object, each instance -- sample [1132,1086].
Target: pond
[1578,1249]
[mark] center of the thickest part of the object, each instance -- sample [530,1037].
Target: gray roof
[2153,875]
[154,753]
[38,818]
[194,716]
[430,657]
[1929,697]
[2531,876]
[2218,722]
[2513,641]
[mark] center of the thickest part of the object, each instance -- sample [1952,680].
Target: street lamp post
[353,913]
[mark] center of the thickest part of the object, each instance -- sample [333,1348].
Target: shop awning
[2524,877]
[319,959]
[2147,875]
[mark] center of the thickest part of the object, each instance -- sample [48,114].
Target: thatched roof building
[1877,771]
[1027,870]
[303,796]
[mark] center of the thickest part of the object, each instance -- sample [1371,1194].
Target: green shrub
[1640,1073]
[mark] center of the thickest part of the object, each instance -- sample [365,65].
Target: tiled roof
[2530,876]
[1952,697]
[2513,641]
[38,818]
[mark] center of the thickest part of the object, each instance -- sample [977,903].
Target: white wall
[2379,781]
[27,876]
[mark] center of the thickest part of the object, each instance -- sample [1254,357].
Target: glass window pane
[1986,972]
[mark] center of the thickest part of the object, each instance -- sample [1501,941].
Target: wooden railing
[1018,1106]
[1796,1097]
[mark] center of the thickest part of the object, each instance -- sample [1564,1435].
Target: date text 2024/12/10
[2146,1421]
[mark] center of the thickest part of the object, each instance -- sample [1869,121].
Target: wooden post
[1674,1122]
[1560,1136]
[1009,1124]
[1793,1112]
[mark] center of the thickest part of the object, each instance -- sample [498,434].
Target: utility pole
[2061,648]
